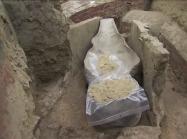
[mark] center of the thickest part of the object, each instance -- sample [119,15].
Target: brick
[109,9]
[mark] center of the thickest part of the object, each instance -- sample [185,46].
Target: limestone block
[155,60]
[153,18]
[80,36]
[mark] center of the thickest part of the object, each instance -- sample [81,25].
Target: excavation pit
[55,52]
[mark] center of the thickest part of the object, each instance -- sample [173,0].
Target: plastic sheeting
[101,113]
[123,111]
[108,41]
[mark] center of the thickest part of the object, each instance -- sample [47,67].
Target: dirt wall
[41,29]
[16,104]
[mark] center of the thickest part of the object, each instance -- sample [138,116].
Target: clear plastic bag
[128,109]
[110,58]
[108,42]
[92,70]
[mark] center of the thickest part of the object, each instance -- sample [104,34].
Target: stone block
[155,60]
[80,36]
[154,19]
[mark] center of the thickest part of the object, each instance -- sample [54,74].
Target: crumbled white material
[109,90]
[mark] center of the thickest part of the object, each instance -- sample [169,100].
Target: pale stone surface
[17,119]
[173,37]
[155,60]
[153,18]
[80,36]
[176,37]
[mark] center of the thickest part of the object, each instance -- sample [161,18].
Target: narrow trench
[58,82]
